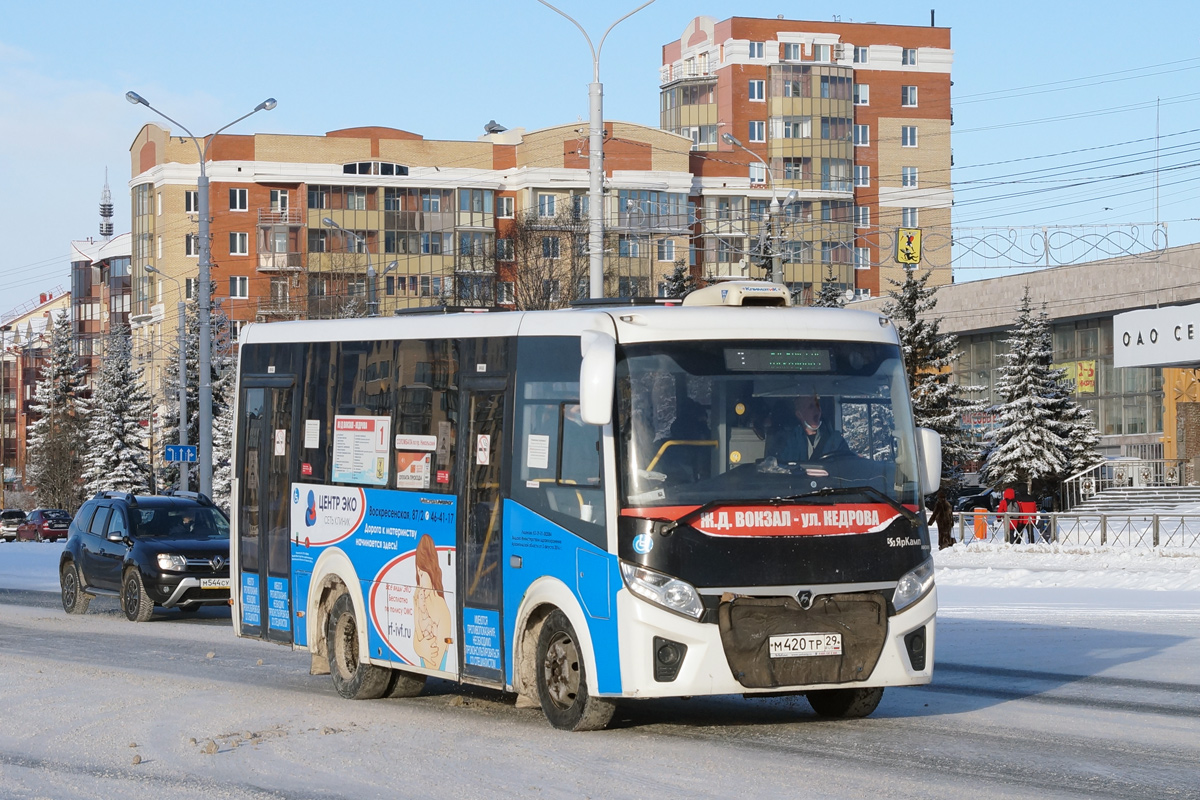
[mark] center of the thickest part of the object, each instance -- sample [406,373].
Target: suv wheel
[136,604]
[74,600]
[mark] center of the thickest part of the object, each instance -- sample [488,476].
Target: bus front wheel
[562,679]
[845,703]
[353,679]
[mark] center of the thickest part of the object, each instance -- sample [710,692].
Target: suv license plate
[793,645]
[214,583]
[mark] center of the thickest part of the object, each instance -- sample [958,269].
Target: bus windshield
[754,420]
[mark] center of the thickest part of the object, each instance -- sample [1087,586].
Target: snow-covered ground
[1061,672]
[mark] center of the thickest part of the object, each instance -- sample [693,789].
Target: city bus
[589,506]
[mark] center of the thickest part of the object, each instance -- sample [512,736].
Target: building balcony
[279,308]
[280,262]
[284,216]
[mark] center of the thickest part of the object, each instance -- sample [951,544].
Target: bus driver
[812,439]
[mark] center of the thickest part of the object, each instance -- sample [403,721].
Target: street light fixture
[204,287]
[595,155]
[372,302]
[181,311]
[773,211]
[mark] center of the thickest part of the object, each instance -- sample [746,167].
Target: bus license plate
[214,583]
[792,645]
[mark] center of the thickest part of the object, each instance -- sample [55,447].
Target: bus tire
[74,599]
[405,684]
[562,679]
[845,703]
[353,679]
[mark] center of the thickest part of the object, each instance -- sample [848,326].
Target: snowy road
[1041,690]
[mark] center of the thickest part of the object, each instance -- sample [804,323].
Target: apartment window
[758,172]
[862,258]
[908,96]
[791,52]
[545,203]
[239,286]
[504,207]
[758,90]
[862,135]
[860,55]
[629,246]
[835,253]
[191,245]
[666,249]
[158,248]
[431,201]
[238,200]
[504,249]
[908,177]
[472,243]
[835,174]
[758,130]
[279,201]
[579,206]
[239,244]
[435,244]
[756,49]
[191,201]
[823,52]
[908,218]
[862,94]
[908,57]
[795,127]
[908,135]
[862,175]
[862,216]
[389,284]
[550,247]
[475,201]
[318,197]
[189,288]
[158,205]
[797,168]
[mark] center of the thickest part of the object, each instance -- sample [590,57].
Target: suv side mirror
[116,536]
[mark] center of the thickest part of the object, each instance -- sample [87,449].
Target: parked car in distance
[10,519]
[44,525]
[170,551]
[972,498]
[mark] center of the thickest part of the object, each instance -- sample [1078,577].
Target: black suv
[170,551]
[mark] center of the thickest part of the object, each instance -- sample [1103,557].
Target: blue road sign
[180,452]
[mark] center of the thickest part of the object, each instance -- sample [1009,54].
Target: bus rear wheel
[845,703]
[562,679]
[353,679]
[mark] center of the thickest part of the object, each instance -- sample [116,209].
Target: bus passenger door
[264,531]
[483,452]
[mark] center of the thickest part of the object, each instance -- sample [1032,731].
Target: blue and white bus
[586,506]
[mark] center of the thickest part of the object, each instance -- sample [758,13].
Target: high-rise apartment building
[846,124]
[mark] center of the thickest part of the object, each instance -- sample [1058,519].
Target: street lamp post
[204,288]
[773,211]
[3,435]
[373,288]
[595,155]
[181,310]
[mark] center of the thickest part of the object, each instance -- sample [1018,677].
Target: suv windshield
[704,421]
[10,515]
[179,522]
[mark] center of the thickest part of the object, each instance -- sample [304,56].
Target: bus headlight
[172,562]
[663,590]
[914,585]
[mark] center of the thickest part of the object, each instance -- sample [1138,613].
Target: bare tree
[551,260]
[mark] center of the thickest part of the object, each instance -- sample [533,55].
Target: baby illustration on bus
[433,626]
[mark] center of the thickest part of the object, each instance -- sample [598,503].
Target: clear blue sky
[443,69]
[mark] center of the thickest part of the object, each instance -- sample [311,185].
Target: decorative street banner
[361,446]
[908,246]
[401,545]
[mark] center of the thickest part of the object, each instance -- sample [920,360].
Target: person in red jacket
[1010,506]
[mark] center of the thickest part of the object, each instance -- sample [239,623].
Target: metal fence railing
[1083,530]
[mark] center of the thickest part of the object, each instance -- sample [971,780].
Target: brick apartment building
[854,117]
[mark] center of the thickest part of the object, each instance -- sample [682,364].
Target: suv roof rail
[202,499]
[109,494]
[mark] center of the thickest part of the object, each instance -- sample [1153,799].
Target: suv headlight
[914,585]
[172,562]
[663,590]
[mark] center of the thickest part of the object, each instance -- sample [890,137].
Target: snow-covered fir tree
[222,440]
[1029,444]
[57,443]
[117,455]
[221,357]
[929,356]
[1078,428]
[832,295]
[680,281]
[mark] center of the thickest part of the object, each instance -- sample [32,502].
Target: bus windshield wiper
[870,491]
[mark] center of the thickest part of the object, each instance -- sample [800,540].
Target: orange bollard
[981,525]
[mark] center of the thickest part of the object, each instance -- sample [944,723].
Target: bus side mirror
[929,448]
[597,377]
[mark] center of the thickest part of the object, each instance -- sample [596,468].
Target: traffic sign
[181,452]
